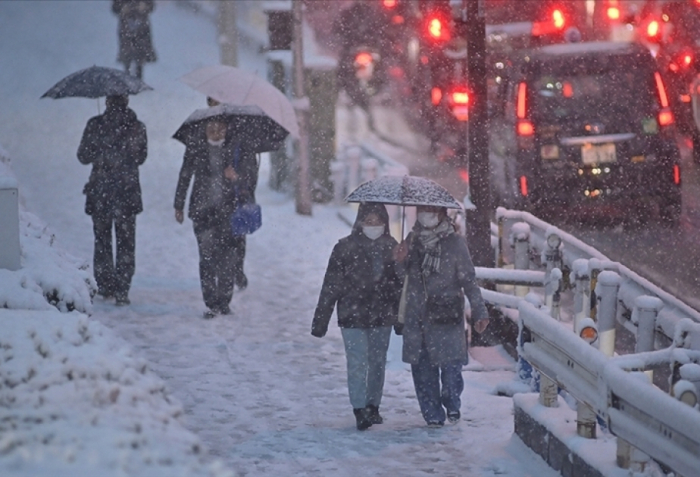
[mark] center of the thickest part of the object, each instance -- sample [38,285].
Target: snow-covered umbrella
[404,190]
[228,84]
[251,126]
[96,82]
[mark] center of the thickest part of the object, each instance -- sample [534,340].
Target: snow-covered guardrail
[617,390]
[522,242]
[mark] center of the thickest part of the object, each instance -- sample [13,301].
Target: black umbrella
[404,190]
[95,82]
[254,129]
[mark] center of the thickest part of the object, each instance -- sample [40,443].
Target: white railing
[608,384]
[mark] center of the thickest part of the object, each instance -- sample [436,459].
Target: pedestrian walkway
[265,397]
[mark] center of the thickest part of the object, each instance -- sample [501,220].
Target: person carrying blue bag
[225,177]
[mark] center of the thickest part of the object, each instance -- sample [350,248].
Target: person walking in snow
[439,273]
[115,143]
[135,45]
[219,188]
[361,279]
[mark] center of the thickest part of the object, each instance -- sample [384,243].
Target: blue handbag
[247,218]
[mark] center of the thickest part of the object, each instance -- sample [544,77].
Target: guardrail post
[552,294]
[582,292]
[647,309]
[338,178]
[9,224]
[586,419]
[353,156]
[629,457]
[369,168]
[548,392]
[606,292]
[520,241]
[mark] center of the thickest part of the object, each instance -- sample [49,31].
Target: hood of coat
[117,117]
[367,208]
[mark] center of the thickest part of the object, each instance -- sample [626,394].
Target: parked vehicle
[587,128]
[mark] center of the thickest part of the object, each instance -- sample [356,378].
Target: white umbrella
[238,87]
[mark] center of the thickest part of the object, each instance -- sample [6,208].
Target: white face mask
[428,219]
[373,232]
[220,142]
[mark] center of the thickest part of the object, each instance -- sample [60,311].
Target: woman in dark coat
[135,45]
[440,273]
[362,281]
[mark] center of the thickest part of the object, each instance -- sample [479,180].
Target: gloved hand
[318,331]
[398,329]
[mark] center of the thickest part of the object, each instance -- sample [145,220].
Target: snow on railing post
[338,178]
[369,167]
[606,292]
[520,241]
[582,292]
[553,260]
[595,266]
[629,457]
[9,224]
[646,309]
[353,156]
[548,392]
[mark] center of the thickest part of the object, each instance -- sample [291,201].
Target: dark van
[587,128]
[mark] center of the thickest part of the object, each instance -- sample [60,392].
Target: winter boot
[363,419]
[374,416]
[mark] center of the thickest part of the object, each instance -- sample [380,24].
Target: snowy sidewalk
[264,396]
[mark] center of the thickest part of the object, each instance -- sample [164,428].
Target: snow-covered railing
[618,391]
[522,242]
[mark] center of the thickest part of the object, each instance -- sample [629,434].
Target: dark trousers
[113,272]
[220,259]
[438,387]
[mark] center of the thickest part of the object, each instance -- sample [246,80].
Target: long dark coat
[361,279]
[115,143]
[134,30]
[441,325]
[196,163]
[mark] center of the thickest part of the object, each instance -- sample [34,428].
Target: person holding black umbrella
[224,179]
[115,143]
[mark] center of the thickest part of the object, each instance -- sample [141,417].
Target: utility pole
[303,186]
[479,220]
[228,32]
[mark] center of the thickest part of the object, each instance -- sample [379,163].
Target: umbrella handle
[403,220]
[98,105]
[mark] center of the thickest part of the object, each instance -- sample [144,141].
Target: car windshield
[618,91]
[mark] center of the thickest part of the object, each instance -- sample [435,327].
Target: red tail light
[437,29]
[523,186]
[363,58]
[525,126]
[677,174]
[613,13]
[665,118]
[435,95]
[558,19]
[653,29]
[687,59]
[665,115]
[459,99]
[555,24]
[389,4]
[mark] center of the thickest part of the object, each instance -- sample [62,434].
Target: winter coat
[434,313]
[115,143]
[361,279]
[196,163]
[134,30]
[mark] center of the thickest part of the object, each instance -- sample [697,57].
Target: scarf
[430,239]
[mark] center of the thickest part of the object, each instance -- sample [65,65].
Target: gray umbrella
[95,82]
[404,190]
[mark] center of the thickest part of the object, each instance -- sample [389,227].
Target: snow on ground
[134,390]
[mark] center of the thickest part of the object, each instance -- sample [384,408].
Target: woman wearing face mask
[439,273]
[362,281]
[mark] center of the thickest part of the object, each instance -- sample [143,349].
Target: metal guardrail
[638,413]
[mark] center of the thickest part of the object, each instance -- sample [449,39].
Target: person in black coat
[115,143]
[362,282]
[135,45]
[224,178]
